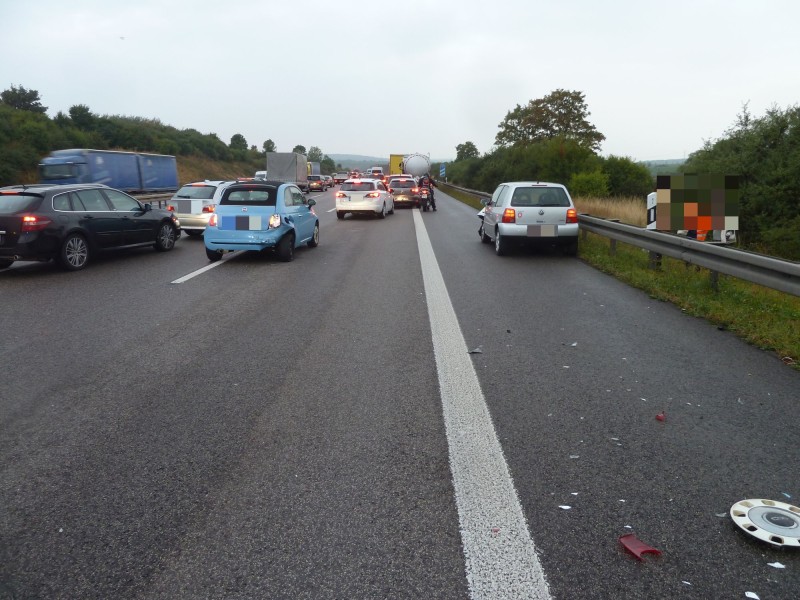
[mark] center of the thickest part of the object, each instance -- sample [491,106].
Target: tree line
[27,134]
[551,139]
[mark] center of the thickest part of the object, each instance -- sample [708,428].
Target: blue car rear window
[250,197]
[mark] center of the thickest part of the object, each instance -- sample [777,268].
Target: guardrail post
[714,277]
[655,261]
[613,247]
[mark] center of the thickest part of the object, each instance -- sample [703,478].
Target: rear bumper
[564,233]
[403,200]
[216,239]
[359,207]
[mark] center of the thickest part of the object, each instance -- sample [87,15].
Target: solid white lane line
[501,558]
[331,210]
[204,269]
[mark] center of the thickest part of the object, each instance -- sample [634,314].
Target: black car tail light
[34,223]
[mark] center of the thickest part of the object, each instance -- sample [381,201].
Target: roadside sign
[441,170]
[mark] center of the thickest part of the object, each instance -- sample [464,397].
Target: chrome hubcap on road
[76,252]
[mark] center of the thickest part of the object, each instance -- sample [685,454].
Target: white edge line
[501,560]
[203,270]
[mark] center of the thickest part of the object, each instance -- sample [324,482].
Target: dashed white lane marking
[331,210]
[501,558]
[204,269]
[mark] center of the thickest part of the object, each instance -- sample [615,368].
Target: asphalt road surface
[319,429]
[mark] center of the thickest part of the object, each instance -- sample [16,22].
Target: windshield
[196,192]
[13,203]
[260,196]
[357,186]
[542,196]
[313,177]
[56,171]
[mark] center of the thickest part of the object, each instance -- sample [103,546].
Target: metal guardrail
[774,273]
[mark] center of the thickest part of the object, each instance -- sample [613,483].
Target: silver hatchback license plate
[542,230]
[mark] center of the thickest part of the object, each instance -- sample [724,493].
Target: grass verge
[762,317]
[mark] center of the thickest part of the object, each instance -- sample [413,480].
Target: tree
[22,99]
[589,185]
[314,154]
[299,149]
[327,165]
[82,117]
[238,142]
[269,146]
[627,177]
[560,114]
[466,150]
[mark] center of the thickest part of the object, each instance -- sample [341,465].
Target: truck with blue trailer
[126,171]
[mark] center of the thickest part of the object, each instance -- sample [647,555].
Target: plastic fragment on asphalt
[564,507]
[574,493]
[636,546]
[752,595]
[721,515]
[662,416]
[686,582]
[573,344]
[495,530]
[789,496]
[574,456]
[644,399]
[621,500]
[777,565]
[615,439]
[478,350]
[628,527]
[566,366]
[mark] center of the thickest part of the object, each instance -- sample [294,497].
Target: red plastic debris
[636,546]
[662,416]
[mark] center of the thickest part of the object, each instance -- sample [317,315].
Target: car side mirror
[311,202]
[486,201]
[148,207]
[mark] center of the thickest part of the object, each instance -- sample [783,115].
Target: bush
[589,185]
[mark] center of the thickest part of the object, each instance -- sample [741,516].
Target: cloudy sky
[374,78]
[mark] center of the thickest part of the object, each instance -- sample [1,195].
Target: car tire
[74,253]
[571,249]
[485,239]
[165,240]
[339,215]
[285,248]
[391,212]
[314,241]
[382,214]
[213,255]
[5,263]
[500,245]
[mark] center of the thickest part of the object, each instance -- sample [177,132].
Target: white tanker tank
[416,164]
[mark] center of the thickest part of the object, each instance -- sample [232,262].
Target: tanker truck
[416,164]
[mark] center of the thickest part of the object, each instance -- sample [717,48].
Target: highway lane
[275,430]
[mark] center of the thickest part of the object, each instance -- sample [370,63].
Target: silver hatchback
[530,213]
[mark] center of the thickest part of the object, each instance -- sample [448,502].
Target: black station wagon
[70,223]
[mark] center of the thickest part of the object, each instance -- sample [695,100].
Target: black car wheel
[314,241]
[339,214]
[74,254]
[213,255]
[165,240]
[285,248]
[382,214]
[500,245]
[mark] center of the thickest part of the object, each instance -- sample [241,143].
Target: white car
[364,196]
[194,204]
[530,213]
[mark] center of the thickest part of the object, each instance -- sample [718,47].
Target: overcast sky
[376,78]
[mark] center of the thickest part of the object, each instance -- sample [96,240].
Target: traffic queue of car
[72,223]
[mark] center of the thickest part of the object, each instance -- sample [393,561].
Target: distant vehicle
[396,164]
[405,190]
[194,204]
[261,175]
[376,172]
[126,171]
[257,215]
[71,223]
[288,167]
[330,181]
[364,196]
[317,183]
[530,213]
[339,178]
[314,168]
[416,164]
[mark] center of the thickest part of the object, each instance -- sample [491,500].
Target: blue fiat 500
[256,215]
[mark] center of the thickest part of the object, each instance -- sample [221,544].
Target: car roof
[42,188]
[533,184]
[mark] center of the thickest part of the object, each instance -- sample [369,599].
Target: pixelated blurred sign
[702,206]
[441,170]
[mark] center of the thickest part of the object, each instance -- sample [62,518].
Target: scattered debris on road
[636,546]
